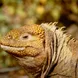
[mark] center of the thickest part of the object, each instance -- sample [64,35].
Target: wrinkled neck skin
[65,64]
[59,56]
[54,40]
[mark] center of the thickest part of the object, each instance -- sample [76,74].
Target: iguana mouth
[20,51]
[7,48]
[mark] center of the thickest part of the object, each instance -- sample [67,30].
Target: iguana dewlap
[43,50]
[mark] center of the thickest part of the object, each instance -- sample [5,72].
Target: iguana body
[43,50]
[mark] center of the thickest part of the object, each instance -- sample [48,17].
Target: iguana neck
[63,57]
[54,40]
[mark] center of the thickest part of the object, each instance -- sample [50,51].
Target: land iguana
[44,51]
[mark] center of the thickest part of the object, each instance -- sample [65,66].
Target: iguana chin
[45,51]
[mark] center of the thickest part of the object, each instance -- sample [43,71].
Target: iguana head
[33,46]
[27,45]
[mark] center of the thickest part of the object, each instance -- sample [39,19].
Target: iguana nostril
[9,37]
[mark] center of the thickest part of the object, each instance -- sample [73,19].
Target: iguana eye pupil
[25,37]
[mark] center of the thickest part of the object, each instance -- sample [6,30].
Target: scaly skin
[43,50]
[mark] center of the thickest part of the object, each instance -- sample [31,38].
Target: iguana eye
[26,37]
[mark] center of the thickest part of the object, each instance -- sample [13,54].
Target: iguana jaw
[21,51]
[7,48]
[16,51]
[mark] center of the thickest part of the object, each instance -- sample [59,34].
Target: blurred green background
[16,13]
